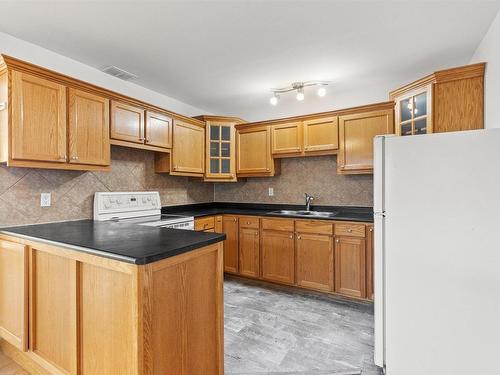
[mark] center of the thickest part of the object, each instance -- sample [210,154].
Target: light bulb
[300,95]
[321,91]
[274,100]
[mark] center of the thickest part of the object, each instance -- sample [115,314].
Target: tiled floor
[276,330]
[8,367]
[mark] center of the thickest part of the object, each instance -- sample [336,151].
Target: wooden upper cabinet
[38,119]
[321,135]
[188,151]
[356,139]
[350,271]
[14,294]
[287,138]
[444,101]
[220,152]
[88,128]
[158,130]
[254,157]
[127,122]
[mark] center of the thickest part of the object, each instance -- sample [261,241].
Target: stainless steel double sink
[304,213]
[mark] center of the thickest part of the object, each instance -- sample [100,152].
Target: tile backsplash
[73,191]
[313,175]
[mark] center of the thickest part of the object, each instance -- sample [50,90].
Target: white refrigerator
[437,253]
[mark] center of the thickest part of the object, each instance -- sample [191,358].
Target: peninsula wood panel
[53,310]
[350,269]
[321,134]
[88,128]
[356,139]
[459,105]
[254,151]
[188,152]
[127,122]
[186,318]
[231,245]
[38,126]
[315,261]
[249,252]
[108,321]
[14,294]
[287,138]
[158,130]
[278,256]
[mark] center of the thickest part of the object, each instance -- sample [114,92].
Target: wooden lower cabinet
[96,316]
[350,272]
[278,256]
[249,252]
[14,294]
[315,261]
[231,246]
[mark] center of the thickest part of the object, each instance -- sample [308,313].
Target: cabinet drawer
[204,223]
[349,229]
[278,224]
[249,222]
[314,226]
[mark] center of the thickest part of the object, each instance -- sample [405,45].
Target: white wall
[489,51]
[40,56]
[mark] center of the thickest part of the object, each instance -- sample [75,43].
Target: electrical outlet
[45,199]
[271,192]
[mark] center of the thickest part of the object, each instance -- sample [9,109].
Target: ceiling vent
[118,73]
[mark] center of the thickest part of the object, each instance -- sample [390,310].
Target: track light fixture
[299,88]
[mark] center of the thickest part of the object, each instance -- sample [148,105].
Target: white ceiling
[224,56]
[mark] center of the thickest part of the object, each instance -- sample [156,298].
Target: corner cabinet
[446,100]
[47,121]
[254,157]
[220,148]
[357,131]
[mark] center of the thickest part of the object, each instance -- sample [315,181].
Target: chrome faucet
[309,199]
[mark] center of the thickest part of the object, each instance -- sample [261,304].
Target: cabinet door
[188,154]
[14,294]
[369,261]
[53,314]
[158,130]
[413,112]
[287,138]
[315,261]
[249,256]
[38,119]
[230,228]
[321,134]
[350,266]
[221,155]
[278,256]
[254,151]
[356,139]
[127,122]
[88,128]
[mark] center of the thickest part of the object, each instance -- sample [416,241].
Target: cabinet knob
[74,158]
[62,157]
[141,139]
[298,237]
[349,230]
[234,220]
[371,229]
[147,140]
[175,167]
[337,240]
[3,106]
[248,223]
[268,169]
[291,236]
[256,233]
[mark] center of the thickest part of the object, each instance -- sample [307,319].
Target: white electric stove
[142,208]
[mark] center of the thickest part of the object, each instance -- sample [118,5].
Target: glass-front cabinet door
[413,112]
[221,160]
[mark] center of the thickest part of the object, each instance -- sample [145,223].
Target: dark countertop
[129,243]
[345,213]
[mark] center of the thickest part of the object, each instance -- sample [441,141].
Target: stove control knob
[119,201]
[149,199]
[143,199]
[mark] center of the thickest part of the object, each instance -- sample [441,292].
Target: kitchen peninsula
[111,298]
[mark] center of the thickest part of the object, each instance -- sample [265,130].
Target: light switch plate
[271,192]
[45,199]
